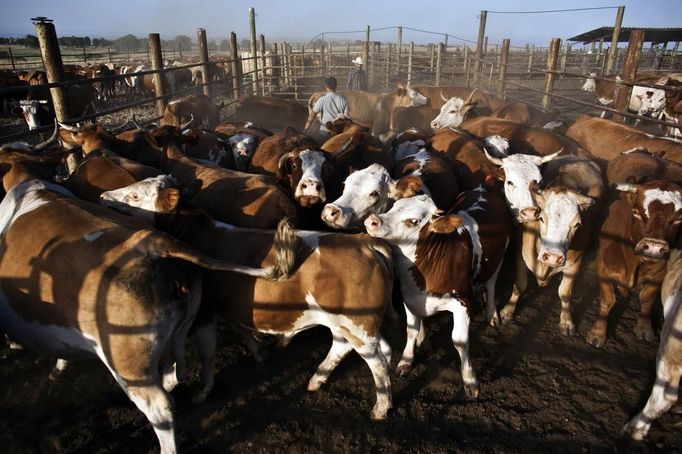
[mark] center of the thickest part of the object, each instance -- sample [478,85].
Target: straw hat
[357,61]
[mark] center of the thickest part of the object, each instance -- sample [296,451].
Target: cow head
[243,146]
[521,173]
[144,198]
[657,215]
[590,84]
[34,112]
[402,97]
[652,102]
[560,218]
[403,223]
[454,111]
[303,170]
[366,191]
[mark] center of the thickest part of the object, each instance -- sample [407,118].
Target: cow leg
[375,359]
[603,114]
[607,298]
[421,337]
[520,285]
[58,369]
[252,344]
[157,405]
[566,326]
[415,326]
[460,339]
[206,345]
[663,396]
[491,308]
[339,350]
[647,296]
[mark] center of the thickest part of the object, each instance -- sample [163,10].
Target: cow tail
[286,245]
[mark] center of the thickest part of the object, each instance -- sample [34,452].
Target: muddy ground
[541,392]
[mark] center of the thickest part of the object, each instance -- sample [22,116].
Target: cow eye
[134,196]
[453,112]
[374,194]
[412,222]
[510,183]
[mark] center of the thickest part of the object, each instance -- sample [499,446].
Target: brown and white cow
[129,299]
[567,210]
[272,113]
[198,108]
[606,140]
[634,243]
[485,102]
[665,390]
[440,258]
[673,106]
[453,112]
[343,282]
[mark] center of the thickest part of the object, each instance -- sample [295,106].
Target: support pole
[285,64]
[157,64]
[614,40]
[263,64]
[530,59]
[236,66]
[52,59]
[203,55]
[11,57]
[365,50]
[479,46]
[550,76]
[399,45]
[410,55]
[629,73]
[466,65]
[439,62]
[504,57]
[254,55]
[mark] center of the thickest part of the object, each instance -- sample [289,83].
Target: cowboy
[331,105]
[357,78]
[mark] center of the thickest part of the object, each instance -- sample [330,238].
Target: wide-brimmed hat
[358,61]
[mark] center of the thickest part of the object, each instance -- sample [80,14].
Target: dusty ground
[541,392]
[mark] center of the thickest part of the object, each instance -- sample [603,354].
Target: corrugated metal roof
[653,35]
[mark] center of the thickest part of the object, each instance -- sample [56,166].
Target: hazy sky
[298,20]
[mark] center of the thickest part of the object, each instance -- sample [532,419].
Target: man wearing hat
[357,78]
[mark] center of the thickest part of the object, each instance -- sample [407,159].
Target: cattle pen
[540,390]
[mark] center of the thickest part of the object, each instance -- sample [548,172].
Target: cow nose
[653,248]
[434,125]
[529,214]
[552,259]
[330,213]
[372,223]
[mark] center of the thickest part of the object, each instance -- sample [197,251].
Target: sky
[300,21]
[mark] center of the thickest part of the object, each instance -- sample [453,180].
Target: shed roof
[653,35]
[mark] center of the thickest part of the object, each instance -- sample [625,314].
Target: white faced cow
[454,111]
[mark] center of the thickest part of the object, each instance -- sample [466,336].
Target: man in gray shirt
[331,105]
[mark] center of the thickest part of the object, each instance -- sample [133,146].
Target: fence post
[479,45]
[614,40]
[365,49]
[85,57]
[564,57]
[157,64]
[439,62]
[263,65]
[530,59]
[11,58]
[52,58]
[550,76]
[410,55]
[111,60]
[285,63]
[236,67]
[432,49]
[672,56]
[254,55]
[504,57]
[466,65]
[323,58]
[203,55]
[399,45]
[629,73]
[180,50]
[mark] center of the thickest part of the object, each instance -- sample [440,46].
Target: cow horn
[42,145]
[443,97]
[549,157]
[69,127]
[284,157]
[494,160]
[471,96]
[120,128]
[344,147]
[187,124]
[139,126]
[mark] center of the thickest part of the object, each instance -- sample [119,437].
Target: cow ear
[468,106]
[446,224]
[190,188]
[408,186]
[168,200]
[584,202]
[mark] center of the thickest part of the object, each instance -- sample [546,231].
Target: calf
[439,260]
[634,242]
[342,282]
[665,391]
[568,205]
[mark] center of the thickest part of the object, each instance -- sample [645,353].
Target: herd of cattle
[162,228]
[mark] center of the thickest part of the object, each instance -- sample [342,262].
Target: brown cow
[343,282]
[520,112]
[634,242]
[606,140]
[129,299]
[272,113]
[673,107]
[199,108]
[418,118]
[440,258]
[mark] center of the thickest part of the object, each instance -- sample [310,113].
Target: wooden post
[285,64]
[111,60]
[550,76]
[432,49]
[439,62]
[203,55]
[85,57]
[673,56]
[157,64]
[254,55]
[504,57]
[365,50]
[276,68]
[485,45]
[622,95]
[466,64]
[236,66]
[323,58]
[410,55]
[180,50]
[399,45]
[11,58]
[614,41]
[564,56]
[479,45]
[52,59]
[263,65]
[530,59]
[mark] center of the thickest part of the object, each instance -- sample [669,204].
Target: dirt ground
[540,392]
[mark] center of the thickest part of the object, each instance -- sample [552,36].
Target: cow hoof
[507,316]
[596,340]
[494,321]
[378,414]
[314,384]
[636,433]
[644,332]
[404,369]
[472,391]
[567,329]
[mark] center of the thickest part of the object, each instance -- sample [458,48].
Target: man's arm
[309,121]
